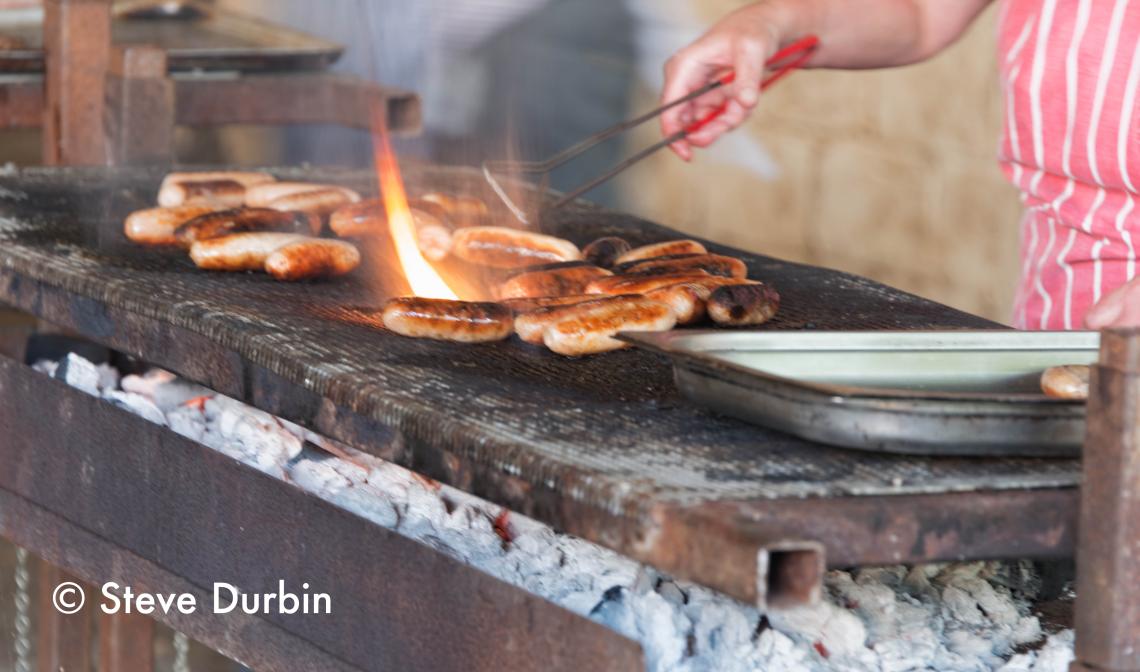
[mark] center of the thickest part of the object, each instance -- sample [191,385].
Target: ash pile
[952,617]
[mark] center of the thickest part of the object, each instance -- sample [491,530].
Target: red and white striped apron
[1070,73]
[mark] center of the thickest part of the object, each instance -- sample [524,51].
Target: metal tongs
[782,63]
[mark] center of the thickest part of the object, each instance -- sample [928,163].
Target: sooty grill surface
[608,430]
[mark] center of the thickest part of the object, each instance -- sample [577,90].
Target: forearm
[857,34]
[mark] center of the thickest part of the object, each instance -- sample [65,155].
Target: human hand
[740,43]
[1119,308]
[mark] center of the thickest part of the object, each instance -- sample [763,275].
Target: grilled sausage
[312,258]
[714,264]
[263,195]
[441,319]
[461,211]
[1066,382]
[591,329]
[432,237]
[500,247]
[554,282]
[604,252]
[239,251]
[156,226]
[321,202]
[520,306]
[241,220]
[686,300]
[530,325]
[743,305]
[220,193]
[666,249]
[177,186]
[640,284]
[365,218]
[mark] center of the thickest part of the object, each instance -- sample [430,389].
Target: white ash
[951,617]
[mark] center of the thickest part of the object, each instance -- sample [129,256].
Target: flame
[421,277]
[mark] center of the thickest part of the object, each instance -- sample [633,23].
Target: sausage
[321,202]
[591,328]
[462,211]
[713,264]
[501,247]
[239,251]
[743,305]
[263,195]
[359,219]
[1066,382]
[604,252]
[172,191]
[520,306]
[442,319]
[686,300]
[241,220]
[640,284]
[432,237]
[312,258]
[530,325]
[554,282]
[666,249]
[156,226]
[220,193]
[432,209]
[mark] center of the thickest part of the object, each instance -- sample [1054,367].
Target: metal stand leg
[1108,552]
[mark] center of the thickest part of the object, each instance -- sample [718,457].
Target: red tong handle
[783,62]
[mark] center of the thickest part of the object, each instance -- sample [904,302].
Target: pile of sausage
[238,221]
[576,301]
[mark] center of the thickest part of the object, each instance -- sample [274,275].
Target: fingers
[685,72]
[733,116]
[748,61]
[1120,308]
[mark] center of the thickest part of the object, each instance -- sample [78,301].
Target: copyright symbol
[68,597]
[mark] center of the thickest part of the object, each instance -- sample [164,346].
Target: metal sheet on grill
[610,430]
[912,392]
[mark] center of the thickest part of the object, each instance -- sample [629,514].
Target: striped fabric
[1070,72]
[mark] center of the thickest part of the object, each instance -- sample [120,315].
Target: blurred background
[890,174]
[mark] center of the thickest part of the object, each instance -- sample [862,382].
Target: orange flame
[421,277]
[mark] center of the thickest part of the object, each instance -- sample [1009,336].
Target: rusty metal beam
[318,98]
[1107,614]
[77,44]
[204,517]
[216,100]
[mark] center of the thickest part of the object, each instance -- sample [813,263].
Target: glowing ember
[421,277]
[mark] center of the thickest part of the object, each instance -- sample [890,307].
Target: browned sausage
[432,237]
[262,195]
[156,226]
[312,258]
[219,193]
[500,247]
[520,306]
[686,300]
[441,319]
[365,218]
[177,187]
[460,211]
[320,202]
[640,284]
[554,282]
[590,328]
[714,264]
[666,249]
[530,325]
[743,305]
[239,251]
[1066,382]
[604,252]
[241,220]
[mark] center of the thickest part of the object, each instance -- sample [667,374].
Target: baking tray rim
[670,345]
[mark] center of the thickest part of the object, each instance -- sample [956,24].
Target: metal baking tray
[917,392]
[195,36]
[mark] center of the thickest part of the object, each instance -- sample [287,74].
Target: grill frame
[680,517]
